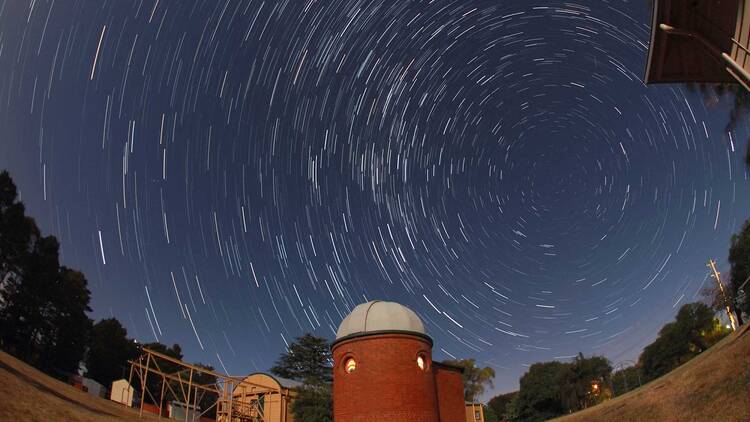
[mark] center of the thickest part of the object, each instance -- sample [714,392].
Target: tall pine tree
[308,359]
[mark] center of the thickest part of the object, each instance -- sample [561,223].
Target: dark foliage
[499,403]
[626,379]
[308,359]
[70,327]
[539,396]
[109,352]
[679,341]
[43,304]
[475,378]
[578,394]
[489,414]
[552,389]
[314,403]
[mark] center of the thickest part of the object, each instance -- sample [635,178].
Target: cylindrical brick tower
[383,367]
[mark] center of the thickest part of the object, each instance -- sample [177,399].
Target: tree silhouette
[109,351]
[66,343]
[16,230]
[475,378]
[690,334]
[551,389]
[43,305]
[500,402]
[314,403]
[307,360]
[539,396]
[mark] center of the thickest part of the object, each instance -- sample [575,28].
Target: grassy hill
[29,395]
[714,386]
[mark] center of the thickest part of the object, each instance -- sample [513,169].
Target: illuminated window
[350,365]
[421,362]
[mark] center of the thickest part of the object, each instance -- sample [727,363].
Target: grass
[29,395]
[714,386]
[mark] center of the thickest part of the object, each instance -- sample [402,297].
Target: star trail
[231,174]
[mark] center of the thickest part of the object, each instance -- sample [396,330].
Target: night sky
[230,174]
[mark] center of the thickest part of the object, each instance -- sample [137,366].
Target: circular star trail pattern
[230,174]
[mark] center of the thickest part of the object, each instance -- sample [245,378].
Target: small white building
[122,392]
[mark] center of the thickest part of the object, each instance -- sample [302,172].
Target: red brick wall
[150,408]
[387,384]
[450,392]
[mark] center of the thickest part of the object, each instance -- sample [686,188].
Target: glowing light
[351,365]
[420,362]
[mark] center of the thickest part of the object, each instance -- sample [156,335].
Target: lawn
[714,386]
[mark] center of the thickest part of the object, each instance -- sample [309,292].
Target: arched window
[422,361]
[350,365]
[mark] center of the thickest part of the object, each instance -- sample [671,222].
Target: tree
[65,345]
[588,384]
[679,341]
[500,402]
[18,235]
[539,396]
[475,378]
[511,410]
[552,389]
[489,414]
[308,359]
[43,305]
[26,314]
[314,403]
[16,231]
[109,351]
[739,258]
[626,379]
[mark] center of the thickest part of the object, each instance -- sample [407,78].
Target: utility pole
[712,264]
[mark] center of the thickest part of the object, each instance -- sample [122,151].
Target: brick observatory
[383,370]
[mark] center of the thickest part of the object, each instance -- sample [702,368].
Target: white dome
[380,316]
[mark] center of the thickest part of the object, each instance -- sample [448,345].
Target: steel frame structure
[238,400]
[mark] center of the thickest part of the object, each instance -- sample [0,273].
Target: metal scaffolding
[236,399]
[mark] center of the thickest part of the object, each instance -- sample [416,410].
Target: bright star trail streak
[262,167]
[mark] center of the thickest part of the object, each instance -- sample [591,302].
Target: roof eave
[652,44]
[380,333]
